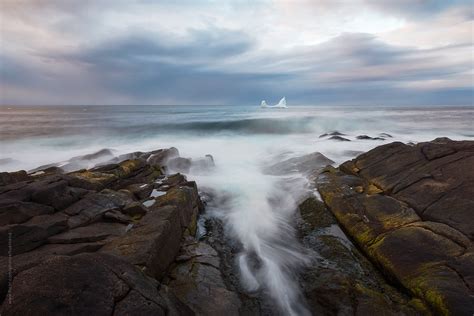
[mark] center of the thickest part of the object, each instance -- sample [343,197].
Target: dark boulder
[67,249]
[93,206]
[159,159]
[335,133]
[16,212]
[13,177]
[52,191]
[173,180]
[31,234]
[185,198]
[197,280]
[90,233]
[56,194]
[365,137]
[91,180]
[141,190]
[116,216]
[134,155]
[306,164]
[97,284]
[129,168]
[135,209]
[339,138]
[153,243]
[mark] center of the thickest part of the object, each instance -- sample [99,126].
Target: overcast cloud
[387,52]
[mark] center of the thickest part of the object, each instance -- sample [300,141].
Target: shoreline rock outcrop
[102,240]
[409,208]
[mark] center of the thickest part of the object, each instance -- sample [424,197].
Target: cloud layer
[239,52]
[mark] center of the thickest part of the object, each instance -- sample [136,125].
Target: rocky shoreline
[392,235]
[116,239]
[409,208]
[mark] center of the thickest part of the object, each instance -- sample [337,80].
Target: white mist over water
[258,213]
[256,209]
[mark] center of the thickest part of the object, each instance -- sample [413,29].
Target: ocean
[243,140]
[32,136]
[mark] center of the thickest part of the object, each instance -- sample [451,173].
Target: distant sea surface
[30,136]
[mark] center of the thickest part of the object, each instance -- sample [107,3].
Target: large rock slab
[92,207]
[186,199]
[410,209]
[13,177]
[197,280]
[53,191]
[340,280]
[153,243]
[428,176]
[91,180]
[17,212]
[31,234]
[90,233]
[97,284]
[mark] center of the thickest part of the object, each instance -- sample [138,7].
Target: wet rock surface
[338,136]
[197,280]
[409,209]
[306,164]
[340,280]
[87,283]
[85,243]
[366,137]
[333,133]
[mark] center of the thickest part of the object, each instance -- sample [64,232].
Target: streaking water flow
[259,213]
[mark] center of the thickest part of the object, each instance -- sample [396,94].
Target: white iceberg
[281,104]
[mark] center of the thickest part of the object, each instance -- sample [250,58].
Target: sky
[314,52]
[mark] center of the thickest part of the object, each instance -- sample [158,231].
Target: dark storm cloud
[135,48]
[146,68]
